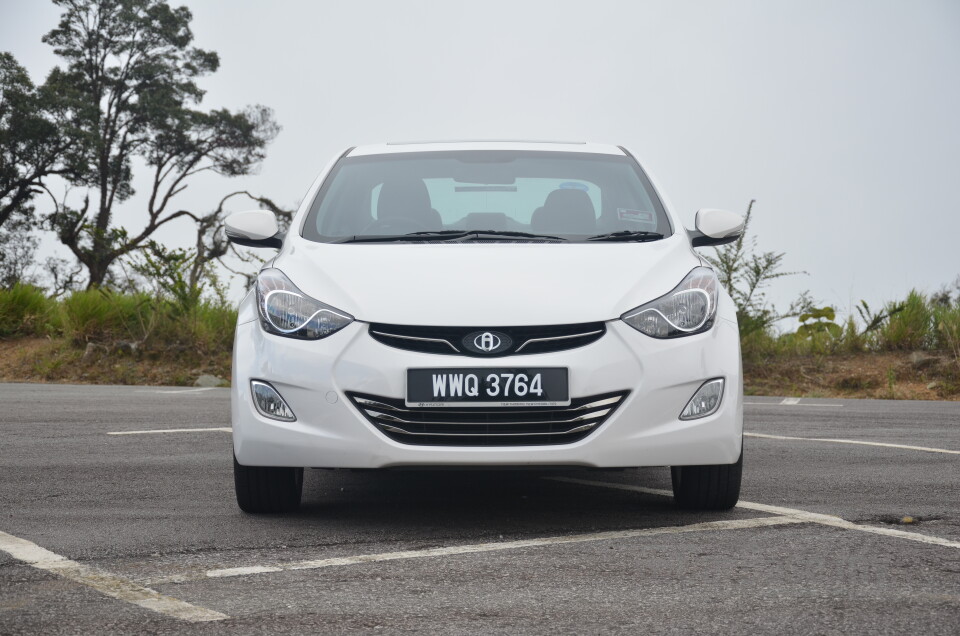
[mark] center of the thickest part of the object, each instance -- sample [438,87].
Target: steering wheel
[395,225]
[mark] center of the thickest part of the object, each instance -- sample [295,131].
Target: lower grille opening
[487,426]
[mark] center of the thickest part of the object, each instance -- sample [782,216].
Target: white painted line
[925,449]
[799,515]
[109,584]
[785,403]
[222,429]
[504,545]
[178,391]
[790,401]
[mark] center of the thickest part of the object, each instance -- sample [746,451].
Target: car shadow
[429,505]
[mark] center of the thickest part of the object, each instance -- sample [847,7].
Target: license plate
[487,387]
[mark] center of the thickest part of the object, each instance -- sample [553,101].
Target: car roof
[435,146]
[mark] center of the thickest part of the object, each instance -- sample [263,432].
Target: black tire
[267,489]
[707,487]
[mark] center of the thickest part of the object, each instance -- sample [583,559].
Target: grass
[102,316]
[26,311]
[909,329]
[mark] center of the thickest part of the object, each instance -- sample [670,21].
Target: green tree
[130,77]
[34,142]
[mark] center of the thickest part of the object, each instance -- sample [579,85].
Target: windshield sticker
[636,216]
[573,185]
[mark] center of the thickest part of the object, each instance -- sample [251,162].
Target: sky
[841,117]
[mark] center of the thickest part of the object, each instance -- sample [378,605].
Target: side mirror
[716,227]
[254,228]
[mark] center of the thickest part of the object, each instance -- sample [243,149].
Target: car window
[574,195]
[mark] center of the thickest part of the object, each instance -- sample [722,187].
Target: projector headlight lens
[287,311]
[690,308]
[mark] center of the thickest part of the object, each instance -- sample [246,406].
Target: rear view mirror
[716,227]
[254,228]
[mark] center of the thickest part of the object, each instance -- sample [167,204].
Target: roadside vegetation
[171,333]
[106,337]
[908,349]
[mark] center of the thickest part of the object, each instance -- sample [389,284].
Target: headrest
[407,198]
[569,199]
[566,211]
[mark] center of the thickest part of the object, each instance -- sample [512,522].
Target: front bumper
[313,376]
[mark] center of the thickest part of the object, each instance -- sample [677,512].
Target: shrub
[205,328]
[910,327]
[852,340]
[104,316]
[947,329]
[25,311]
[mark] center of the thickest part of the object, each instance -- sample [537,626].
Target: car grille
[487,426]
[526,340]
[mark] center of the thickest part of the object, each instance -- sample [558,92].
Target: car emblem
[487,342]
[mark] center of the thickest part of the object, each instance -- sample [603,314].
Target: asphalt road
[103,533]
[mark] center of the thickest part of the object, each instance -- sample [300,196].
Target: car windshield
[558,196]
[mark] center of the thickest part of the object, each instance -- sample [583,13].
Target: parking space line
[500,545]
[799,515]
[791,402]
[178,391]
[925,449]
[222,429]
[113,586]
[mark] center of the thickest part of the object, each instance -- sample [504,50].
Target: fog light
[705,401]
[269,403]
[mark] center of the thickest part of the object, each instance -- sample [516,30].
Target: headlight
[690,308]
[287,311]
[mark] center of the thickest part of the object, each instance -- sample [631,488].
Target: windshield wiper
[445,235]
[440,235]
[510,233]
[627,235]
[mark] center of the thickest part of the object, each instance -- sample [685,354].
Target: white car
[486,304]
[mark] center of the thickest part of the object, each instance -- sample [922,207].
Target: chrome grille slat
[612,400]
[573,335]
[577,429]
[392,418]
[487,425]
[378,404]
[416,338]
[504,410]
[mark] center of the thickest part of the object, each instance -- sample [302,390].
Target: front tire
[714,487]
[267,489]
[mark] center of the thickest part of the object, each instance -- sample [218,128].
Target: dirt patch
[892,375]
[58,360]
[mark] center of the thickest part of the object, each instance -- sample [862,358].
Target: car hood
[483,284]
